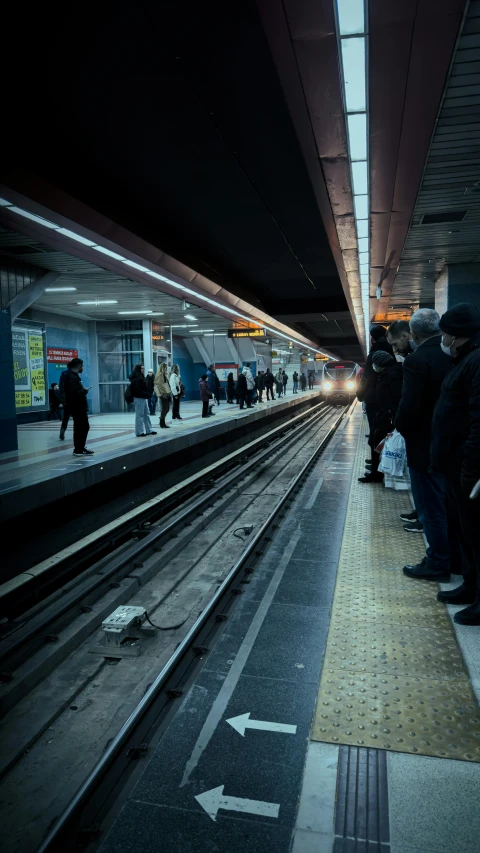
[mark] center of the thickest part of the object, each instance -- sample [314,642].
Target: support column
[94,375]
[33,291]
[457,283]
[8,415]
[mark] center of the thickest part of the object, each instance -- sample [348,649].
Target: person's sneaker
[409,516]
[468,616]
[413,527]
[62,435]
[422,571]
[459,595]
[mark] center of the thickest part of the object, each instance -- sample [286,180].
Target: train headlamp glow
[328,385]
[350,385]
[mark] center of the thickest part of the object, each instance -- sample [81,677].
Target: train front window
[339,372]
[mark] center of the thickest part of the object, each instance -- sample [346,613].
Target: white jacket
[249,377]
[175,384]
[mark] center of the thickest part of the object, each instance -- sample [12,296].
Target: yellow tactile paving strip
[393,676]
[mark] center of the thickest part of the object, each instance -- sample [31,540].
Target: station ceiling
[216,132]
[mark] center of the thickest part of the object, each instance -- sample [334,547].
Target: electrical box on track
[122,632]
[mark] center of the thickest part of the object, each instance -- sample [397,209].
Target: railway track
[189,591]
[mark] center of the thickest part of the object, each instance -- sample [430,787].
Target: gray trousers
[143,423]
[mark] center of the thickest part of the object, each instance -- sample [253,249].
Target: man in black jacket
[423,373]
[368,383]
[76,403]
[388,391]
[455,446]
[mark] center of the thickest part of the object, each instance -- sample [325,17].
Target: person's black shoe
[153,432]
[460,595]
[423,572]
[371,478]
[368,461]
[62,435]
[468,616]
[409,516]
[413,527]
[141,435]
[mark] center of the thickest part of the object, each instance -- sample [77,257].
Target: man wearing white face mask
[455,446]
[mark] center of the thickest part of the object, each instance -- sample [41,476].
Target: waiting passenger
[279,382]
[285,382]
[260,385]
[310,380]
[230,388]
[269,383]
[303,382]
[163,392]
[242,390]
[77,405]
[455,447]
[400,338]
[368,381]
[423,373]
[250,384]
[152,397]
[205,396]
[295,382]
[213,383]
[66,413]
[176,389]
[139,392]
[55,401]
[388,391]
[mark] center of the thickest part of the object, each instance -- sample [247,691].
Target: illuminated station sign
[246,333]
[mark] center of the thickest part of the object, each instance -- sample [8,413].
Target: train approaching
[339,381]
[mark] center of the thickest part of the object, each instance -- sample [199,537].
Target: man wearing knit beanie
[455,447]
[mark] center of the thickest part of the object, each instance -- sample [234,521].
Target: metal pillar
[31,293]
[8,415]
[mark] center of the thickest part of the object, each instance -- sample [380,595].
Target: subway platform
[44,470]
[338,710]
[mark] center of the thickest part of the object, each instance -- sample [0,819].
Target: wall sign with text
[29,366]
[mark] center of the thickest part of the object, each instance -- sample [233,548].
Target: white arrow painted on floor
[214,800]
[243,722]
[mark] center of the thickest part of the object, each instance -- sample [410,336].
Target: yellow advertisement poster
[23,399]
[29,365]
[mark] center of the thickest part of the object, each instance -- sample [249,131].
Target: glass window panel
[117,366]
[351,17]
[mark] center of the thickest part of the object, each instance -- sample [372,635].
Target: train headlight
[350,385]
[327,386]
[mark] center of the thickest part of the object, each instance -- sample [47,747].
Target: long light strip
[352,34]
[73,236]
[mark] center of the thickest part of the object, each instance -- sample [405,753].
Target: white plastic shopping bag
[393,457]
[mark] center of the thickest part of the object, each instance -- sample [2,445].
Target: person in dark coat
[269,383]
[242,390]
[285,382]
[400,338]
[76,403]
[295,382]
[213,383]
[260,385]
[152,397]
[140,394]
[55,400]
[423,373]
[455,445]
[230,388]
[66,413]
[368,383]
[388,390]
[303,382]
[205,396]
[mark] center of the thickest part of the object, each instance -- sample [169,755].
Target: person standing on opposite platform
[285,382]
[152,397]
[269,383]
[66,413]
[423,373]
[163,392]
[368,381]
[230,388]
[213,383]
[205,396]
[310,380]
[55,401]
[295,382]
[279,382]
[242,389]
[303,382]
[139,391]
[260,385]
[176,389]
[455,446]
[76,402]
[388,391]
[250,384]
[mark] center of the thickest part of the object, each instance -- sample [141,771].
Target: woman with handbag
[176,389]
[163,392]
[140,394]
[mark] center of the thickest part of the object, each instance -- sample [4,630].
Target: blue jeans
[430,498]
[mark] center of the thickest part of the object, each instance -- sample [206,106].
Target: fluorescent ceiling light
[108,252]
[100,302]
[134,312]
[189,317]
[363,257]
[351,17]
[362,226]
[364,268]
[157,313]
[5,203]
[361,206]
[134,265]
[360,177]
[357,136]
[353,60]
[57,289]
[77,237]
[39,219]
[363,244]
[156,275]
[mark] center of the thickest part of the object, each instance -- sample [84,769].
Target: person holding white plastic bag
[388,391]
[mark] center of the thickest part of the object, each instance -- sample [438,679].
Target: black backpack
[129,395]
